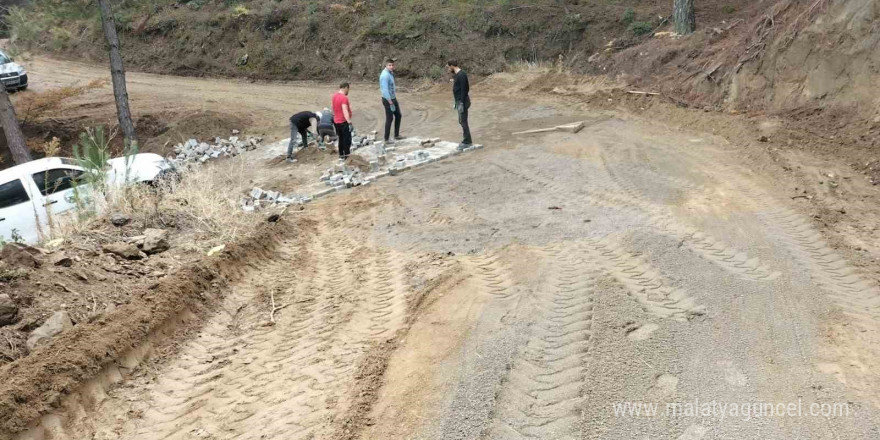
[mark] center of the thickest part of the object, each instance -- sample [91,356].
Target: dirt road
[549,287]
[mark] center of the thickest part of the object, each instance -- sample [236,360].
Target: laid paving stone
[380,160]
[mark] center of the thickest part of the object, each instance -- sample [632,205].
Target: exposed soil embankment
[779,56]
[32,386]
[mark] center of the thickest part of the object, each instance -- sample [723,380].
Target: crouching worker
[299,124]
[325,126]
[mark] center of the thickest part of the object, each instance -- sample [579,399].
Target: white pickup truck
[30,192]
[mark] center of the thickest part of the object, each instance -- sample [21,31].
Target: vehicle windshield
[4,59]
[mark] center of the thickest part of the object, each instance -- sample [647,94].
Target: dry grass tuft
[202,210]
[206,204]
[524,66]
[50,148]
[36,105]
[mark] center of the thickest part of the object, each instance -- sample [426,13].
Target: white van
[30,192]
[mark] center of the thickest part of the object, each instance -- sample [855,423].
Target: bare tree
[117,73]
[14,136]
[685,18]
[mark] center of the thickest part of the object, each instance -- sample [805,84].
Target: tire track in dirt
[451,215]
[644,283]
[857,296]
[494,275]
[617,194]
[246,381]
[641,163]
[710,248]
[542,394]
[243,377]
[439,218]
[385,302]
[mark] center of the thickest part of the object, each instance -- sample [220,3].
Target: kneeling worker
[300,123]
[325,126]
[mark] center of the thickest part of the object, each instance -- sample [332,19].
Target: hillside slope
[779,55]
[323,39]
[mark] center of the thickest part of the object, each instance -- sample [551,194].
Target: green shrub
[641,27]
[92,153]
[629,16]
[59,38]
[24,27]
[196,4]
[728,9]
[436,72]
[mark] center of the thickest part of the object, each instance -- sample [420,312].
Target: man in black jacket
[299,124]
[461,92]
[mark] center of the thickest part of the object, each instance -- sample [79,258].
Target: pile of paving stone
[362,141]
[259,198]
[343,176]
[356,141]
[201,152]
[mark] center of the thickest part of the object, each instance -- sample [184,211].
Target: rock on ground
[55,325]
[61,259]
[124,250]
[15,254]
[8,310]
[155,241]
[119,219]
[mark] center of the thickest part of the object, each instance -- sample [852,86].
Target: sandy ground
[532,289]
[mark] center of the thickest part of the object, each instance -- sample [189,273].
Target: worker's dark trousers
[391,116]
[343,133]
[463,120]
[303,133]
[327,130]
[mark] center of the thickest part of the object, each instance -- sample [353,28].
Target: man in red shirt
[342,119]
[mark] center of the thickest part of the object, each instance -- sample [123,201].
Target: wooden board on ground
[570,128]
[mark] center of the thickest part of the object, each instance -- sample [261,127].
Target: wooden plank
[571,128]
[539,130]
[636,92]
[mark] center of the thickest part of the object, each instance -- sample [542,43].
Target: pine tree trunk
[117,72]
[685,19]
[14,136]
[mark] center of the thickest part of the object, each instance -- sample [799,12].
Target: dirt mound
[157,132]
[31,386]
[163,130]
[312,155]
[358,162]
